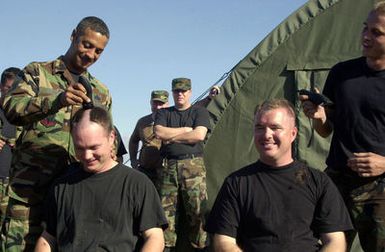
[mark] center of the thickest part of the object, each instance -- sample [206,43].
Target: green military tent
[295,55]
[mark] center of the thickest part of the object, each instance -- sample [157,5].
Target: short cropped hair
[9,73]
[379,7]
[276,104]
[95,24]
[97,115]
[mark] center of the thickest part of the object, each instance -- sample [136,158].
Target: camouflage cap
[181,84]
[159,95]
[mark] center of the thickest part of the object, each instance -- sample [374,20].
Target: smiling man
[42,100]
[278,204]
[356,121]
[101,205]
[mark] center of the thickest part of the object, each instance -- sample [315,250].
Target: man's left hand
[367,164]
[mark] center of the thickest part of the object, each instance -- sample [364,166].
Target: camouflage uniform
[8,133]
[366,206]
[183,184]
[150,161]
[45,147]
[186,178]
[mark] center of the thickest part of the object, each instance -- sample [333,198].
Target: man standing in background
[182,129]
[8,131]
[8,134]
[150,161]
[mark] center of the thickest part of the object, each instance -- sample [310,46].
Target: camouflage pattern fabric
[366,206]
[3,198]
[45,147]
[181,84]
[187,177]
[150,159]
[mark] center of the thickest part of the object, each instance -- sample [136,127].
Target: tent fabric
[297,54]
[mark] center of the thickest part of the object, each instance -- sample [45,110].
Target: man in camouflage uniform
[356,160]
[43,101]
[8,132]
[150,161]
[183,128]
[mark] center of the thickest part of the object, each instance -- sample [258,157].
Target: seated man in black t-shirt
[278,204]
[101,204]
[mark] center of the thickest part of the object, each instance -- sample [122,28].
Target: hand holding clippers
[316,98]
[87,86]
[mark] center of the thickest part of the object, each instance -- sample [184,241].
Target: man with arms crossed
[101,204]
[278,204]
[183,128]
[356,160]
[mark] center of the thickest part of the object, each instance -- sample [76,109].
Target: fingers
[74,95]
[309,109]
[303,98]
[367,164]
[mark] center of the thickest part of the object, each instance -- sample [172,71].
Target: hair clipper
[316,98]
[87,86]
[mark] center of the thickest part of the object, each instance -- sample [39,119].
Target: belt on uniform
[185,156]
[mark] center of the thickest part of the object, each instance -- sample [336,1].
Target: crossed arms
[185,135]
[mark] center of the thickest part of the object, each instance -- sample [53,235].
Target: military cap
[181,84]
[159,95]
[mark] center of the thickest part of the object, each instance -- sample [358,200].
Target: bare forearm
[167,133]
[153,240]
[323,127]
[188,138]
[224,243]
[333,242]
[45,243]
[333,248]
[152,245]
[226,247]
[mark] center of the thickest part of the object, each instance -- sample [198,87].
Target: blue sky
[151,41]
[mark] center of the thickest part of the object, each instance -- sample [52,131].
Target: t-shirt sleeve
[331,214]
[161,117]
[202,118]
[330,83]
[148,209]
[225,215]
[50,211]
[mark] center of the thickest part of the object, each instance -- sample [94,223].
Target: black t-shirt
[8,131]
[173,118]
[358,94]
[278,209]
[102,212]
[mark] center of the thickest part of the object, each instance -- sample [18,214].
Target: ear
[112,137]
[73,35]
[294,133]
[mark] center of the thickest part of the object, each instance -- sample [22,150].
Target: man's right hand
[318,113]
[75,94]
[312,110]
